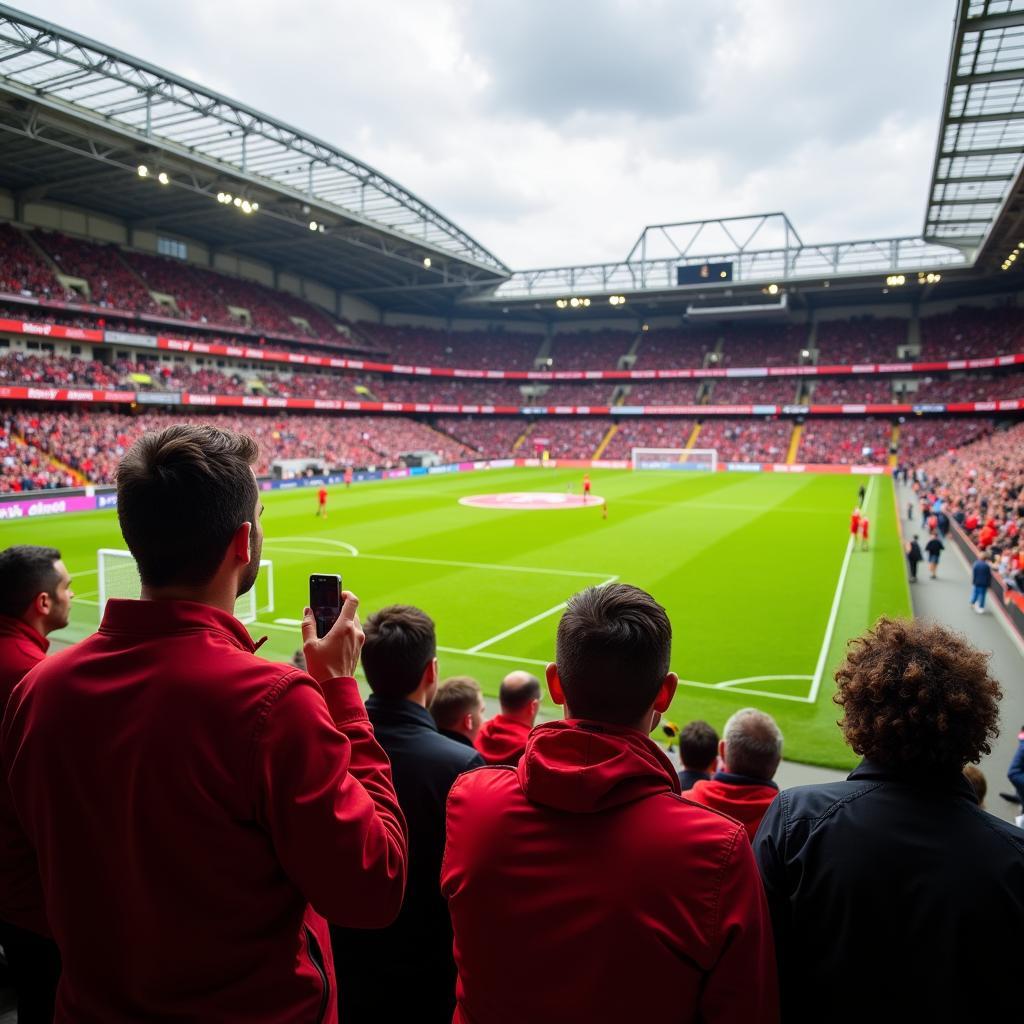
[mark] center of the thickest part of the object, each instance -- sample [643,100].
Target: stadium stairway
[794,443]
[894,446]
[521,439]
[606,440]
[694,434]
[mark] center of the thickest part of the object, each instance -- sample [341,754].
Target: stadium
[729,390]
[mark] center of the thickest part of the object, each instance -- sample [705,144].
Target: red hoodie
[193,811]
[21,648]
[502,740]
[740,797]
[624,891]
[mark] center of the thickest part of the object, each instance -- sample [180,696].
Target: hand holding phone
[336,653]
[325,600]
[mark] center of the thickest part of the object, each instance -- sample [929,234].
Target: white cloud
[554,133]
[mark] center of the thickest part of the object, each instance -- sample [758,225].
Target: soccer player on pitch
[586,488]
[348,477]
[864,533]
[855,524]
[321,502]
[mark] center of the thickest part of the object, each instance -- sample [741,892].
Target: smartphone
[325,600]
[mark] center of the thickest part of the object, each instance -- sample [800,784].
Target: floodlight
[645,327]
[586,302]
[143,171]
[312,225]
[246,206]
[237,200]
[574,302]
[255,206]
[773,289]
[163,178]
[804,353]
[426,261]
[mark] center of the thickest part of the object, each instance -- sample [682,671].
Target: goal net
[119,577]
[675,458]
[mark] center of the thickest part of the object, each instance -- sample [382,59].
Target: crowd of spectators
[590,350]
[663,392]
[764,345]
[861,339]
[972,332]
[648,432]
[982,486]
[754,391]
[428,346]
[93,443]
[751,439]
[968,387]
[26,467]
[846,390]
[846,441]
[491,437]
[23,272]
[925,437]
[672,348]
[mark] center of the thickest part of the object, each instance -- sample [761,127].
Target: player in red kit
[348,476]
[321,502]
[864,533]
[586,487]
[855,523]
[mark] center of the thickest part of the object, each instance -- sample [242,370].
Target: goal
[119,577]
[675,458]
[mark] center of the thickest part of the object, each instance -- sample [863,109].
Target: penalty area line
[526,623]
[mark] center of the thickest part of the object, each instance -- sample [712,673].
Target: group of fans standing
[207,835]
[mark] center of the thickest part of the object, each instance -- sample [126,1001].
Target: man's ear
[666,692]
[555,684]
[240,543]
[42,604]
[429,676]
[721,751]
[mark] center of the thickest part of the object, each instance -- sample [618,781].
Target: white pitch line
[819,669]
[455,564]
[493,657]
[529,622]
[84,572]
[315,540]
[289,622]
[753,693]
[757,679]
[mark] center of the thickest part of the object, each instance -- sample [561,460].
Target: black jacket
[408,969]
[893,897]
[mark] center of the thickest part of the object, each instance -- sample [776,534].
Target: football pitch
[756,571]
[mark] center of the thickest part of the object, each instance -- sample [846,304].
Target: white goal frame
[674,458]
[247,608]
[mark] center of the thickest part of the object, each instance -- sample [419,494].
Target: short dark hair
[26,571]
[400,643]
[455,698]
[613,649]
[515,695]
[917,695]
[182,494]
[698,744]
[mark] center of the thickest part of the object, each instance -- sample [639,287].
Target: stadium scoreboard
[703,273]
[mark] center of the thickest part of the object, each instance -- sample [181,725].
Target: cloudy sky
[554,130]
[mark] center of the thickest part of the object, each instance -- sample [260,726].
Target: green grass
[746,564]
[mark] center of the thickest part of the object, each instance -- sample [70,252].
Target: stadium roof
[978,159]
[78,118]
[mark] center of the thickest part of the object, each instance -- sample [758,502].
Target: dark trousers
[913,568]
[34,964]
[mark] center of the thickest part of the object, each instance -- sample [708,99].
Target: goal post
[690,459]
[118,576]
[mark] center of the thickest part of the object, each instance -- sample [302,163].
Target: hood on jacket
[586,767]
[501,740]
[742,798]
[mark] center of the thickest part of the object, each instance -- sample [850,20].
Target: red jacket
[740,797]
[502,740]
[196,813]
[21,648]
[637,902]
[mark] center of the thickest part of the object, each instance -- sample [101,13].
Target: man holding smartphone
[205,809]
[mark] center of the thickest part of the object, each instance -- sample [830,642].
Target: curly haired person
[893,895]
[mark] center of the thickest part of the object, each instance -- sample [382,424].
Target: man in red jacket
[502,740]
[35,600]
[750,750]
[183,815]
[587,854]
